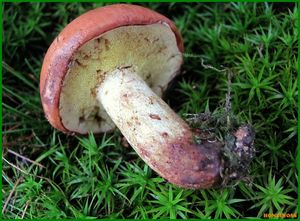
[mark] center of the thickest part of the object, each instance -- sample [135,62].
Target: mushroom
[109,67]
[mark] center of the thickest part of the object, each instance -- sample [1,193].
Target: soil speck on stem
[154,116]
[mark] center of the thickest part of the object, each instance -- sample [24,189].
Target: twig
[190,55]
[13,127]
[211,67]
[7,144]
[228,94]
[25,209]
[10,195]
[25,158]
[16,167]
[41,177]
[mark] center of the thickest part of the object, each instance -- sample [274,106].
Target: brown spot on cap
[79,63]
[106,44]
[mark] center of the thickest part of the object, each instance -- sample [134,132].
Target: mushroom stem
[160,137]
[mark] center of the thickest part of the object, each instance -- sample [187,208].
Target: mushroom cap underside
[90,47]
